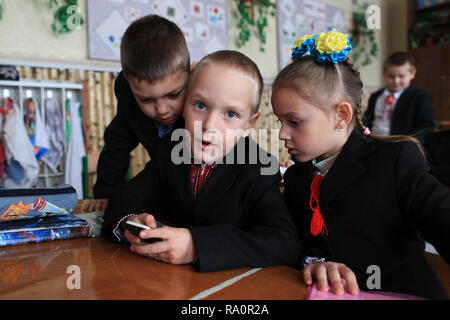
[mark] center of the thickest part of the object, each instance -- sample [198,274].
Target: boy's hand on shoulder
[95,205]
[177,246]
[338,274]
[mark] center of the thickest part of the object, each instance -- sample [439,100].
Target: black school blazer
[239,220]
[378,202]
[127,129]
[412,116]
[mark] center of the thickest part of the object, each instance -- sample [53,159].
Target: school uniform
[128,128]
[239,219]
[378,202]
[410,113]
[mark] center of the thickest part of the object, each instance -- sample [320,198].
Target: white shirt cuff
[117,232]
[311,260]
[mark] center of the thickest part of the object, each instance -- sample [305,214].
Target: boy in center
[227,214]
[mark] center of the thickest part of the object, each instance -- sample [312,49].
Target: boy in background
[400,109]
[150,93]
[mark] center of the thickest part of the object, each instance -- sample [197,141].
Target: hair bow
[332,46]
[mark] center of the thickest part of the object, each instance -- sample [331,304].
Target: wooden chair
[437,146]
[441,268]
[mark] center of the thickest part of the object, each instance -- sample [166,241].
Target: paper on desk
[95,220]
[315,294]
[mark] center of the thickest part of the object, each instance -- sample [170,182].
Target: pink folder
[315,294]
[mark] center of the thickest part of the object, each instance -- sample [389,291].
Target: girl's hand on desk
[177,246]
[337,273]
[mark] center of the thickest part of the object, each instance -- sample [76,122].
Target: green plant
[363,39]
[1,11]
[445,39]
[422,35]
[253,20]
[66,17]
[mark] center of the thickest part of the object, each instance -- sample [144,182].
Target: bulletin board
[297,18]
[204,24]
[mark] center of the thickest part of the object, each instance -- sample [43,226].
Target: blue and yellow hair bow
[332,46]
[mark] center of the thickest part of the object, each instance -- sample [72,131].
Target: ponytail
[360,126]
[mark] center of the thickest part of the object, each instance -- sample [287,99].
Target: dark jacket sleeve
[425,202]
[269,237]
[119,139]
[424,117]
[140,194]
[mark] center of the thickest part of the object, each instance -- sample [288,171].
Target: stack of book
[37,215]
[47,228]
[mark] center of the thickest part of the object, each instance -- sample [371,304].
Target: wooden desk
[111,271]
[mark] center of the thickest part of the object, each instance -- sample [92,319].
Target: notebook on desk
[316,294]
[95,220]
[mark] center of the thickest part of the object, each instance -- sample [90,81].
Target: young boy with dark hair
[400,109]
[150,94]
[215,186]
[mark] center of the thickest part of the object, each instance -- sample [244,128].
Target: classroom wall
[25,33]
[397,25]
[392,36]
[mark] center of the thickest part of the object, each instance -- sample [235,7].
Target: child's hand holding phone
[174,245]
[135,228]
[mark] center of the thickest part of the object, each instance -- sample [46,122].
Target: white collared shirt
[382,126]
[324,166]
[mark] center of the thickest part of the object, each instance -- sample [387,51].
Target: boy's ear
[344,114]
[251,123]
[413,73]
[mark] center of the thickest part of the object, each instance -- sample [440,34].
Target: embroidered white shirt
[382,125]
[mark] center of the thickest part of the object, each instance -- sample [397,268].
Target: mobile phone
[135,228]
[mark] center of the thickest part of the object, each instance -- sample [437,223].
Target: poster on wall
[297,18]
[204,23]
